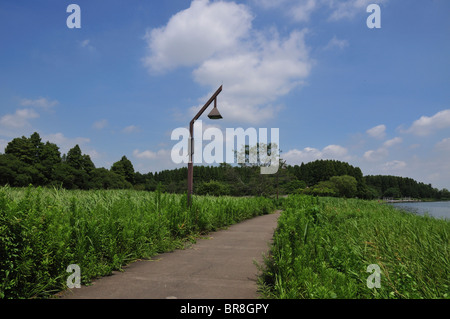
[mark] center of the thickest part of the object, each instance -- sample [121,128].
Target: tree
[124,168]
[324,188]
[49,157]
[101,178]
[75,157]
[22,149]
[345,185]
[9,169]
[392,192]
[295,186]
[81,167]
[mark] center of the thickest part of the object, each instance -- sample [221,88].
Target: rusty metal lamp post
[214,115]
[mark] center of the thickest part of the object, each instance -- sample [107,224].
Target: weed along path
[219,266]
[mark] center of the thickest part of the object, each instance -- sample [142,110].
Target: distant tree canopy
[31,161]
[395,186]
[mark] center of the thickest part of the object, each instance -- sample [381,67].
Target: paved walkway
[221,266]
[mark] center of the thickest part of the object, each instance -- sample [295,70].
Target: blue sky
[136,70]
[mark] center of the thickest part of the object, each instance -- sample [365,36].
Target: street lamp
[214,115]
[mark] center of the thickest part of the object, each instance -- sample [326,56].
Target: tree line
[30,161]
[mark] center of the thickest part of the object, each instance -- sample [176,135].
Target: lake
[434,209]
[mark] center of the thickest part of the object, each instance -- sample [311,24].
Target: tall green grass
[323,246]
[42,231]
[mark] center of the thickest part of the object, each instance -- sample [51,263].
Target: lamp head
[214,114]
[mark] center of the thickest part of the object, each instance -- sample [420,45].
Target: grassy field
[42,231]
[323,247]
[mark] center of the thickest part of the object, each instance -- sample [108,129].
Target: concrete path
[220,266]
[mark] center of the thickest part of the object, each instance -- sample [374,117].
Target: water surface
[434,209]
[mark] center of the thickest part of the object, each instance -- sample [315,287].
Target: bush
[213,188]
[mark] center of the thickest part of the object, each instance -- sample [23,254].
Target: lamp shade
[214,114]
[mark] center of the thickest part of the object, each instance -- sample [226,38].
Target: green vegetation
[323,246]
[397,187]
[44,230]
[31,161]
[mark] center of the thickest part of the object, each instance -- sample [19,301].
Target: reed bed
[323,247]
[42,231]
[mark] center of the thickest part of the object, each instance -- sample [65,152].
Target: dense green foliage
[395,186]
[30,161]
[323,246]
[42,231]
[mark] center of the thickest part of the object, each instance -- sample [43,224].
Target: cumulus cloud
[19,119]
[144,154]
[301,10]
[392,142]
[348,9]
[195,34]
[336,43]
[131,129]
[426,125]
[66,143]
[382,152]
[393,166]
[309,154]
[297,10]
[40,102]
[147,154]
[148,160]
[376,155]
[378,131]
[256,77]
[218,40]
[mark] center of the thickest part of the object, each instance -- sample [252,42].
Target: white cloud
[393,166]
[131,129]
[256,77]
[147,154]
[217,39]
[378,132]
[150,161]
[298,10]
[87,45]
[3,144]
[302,10]
[348,9]
[443,145]
[19,119]
[332,151]
[427,125]
[66,143]
[40,102]
[336,43]
[144,154]
[309,154]
[382,152]
[93,154]
[392,142]
[100,124]
[195,34]
[376,155]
